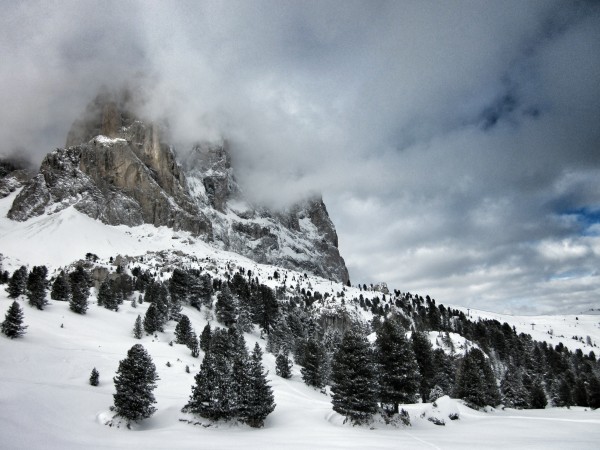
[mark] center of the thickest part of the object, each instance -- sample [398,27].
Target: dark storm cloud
[456,144]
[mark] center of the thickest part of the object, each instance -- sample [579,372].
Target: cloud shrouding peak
[457,145]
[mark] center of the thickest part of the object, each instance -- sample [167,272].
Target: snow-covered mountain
[120,170]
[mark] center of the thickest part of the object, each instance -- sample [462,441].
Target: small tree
[283,365]
[135,380]
[17,282]
[137,328]
[36,287]
[94,377]
[61,290]
[259,399]
[13,322]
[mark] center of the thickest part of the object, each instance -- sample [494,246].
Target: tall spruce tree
[512,391]
[424,354]
[137,328]
[283,365]
[205,338]
[61,290]
[107,296]
[398,371]
[135,380]
[475,381]
[80,290]
[259,400]
[313,361]
[183,331]
[354,391]
[13,326]
[36,287]
[152,321]
[17,283]
[226,308]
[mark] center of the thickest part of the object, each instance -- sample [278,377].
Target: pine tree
[17,282]
[94,377]
[444,371]
[107,296]
[259,399]
[61,290]
[225,307]
[283,365]
[244,319]
[13,326]
[512,390]
[137,328]
[192,344]
[313,362]
[205,338]
[593,392]
[398,372]
[80,290]
[475,382]
[135,380]
[424,354]
[36,287]
[354,392]
[179,286]
[152,321]
[537,396]
[183,330]
[580,395]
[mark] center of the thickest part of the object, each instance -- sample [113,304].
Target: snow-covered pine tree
[354,388]
[61,290]
[593,392]
[424,354]
[192,344]
[283,365]
[183,330]
[313,363]
[36,287]
[137,328]
[475,382]
[205,338]
[512,391]
[152,322]
[259,396]
[225,307]
[94,377]
[13,326]
[135,380]
[398,371]
[17,283]
[80,290]
[107,296]
[537,395]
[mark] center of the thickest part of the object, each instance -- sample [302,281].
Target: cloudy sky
[456,143]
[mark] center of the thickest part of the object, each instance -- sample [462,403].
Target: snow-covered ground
[46,400]
[48,403]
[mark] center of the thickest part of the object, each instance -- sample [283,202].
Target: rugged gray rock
[117,169]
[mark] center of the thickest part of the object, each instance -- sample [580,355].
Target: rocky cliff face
[117,169]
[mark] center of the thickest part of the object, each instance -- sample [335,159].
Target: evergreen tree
[313,362]
[94,377]
[80,290]
[398,372]
[244,318]
[13,322]
[512,390]
[192,344]
[205,338]
[354,393]
[152,322]
[424,354]
[17,282]
[225,307]
[136,379]
[36,287]
[162,306]
[565,396]
[107,296]
[137,328]
[179,286]
[183,331]
[594,392]
[61,290]
[283,365]
[259,400]
[475,382]
[537,396]
[444,371]
[580,395]
[213,396]
[265,307]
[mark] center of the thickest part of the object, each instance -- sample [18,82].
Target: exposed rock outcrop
[116,168]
